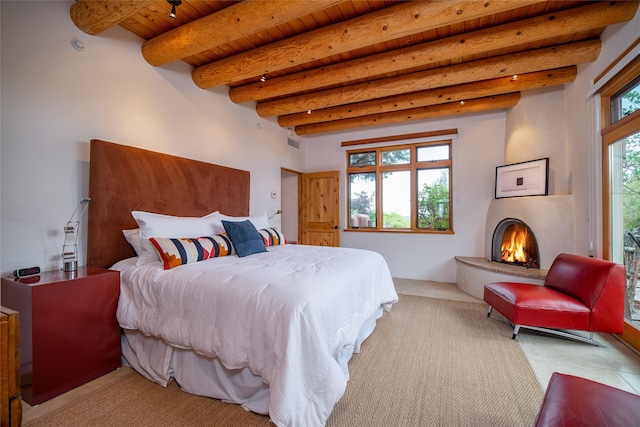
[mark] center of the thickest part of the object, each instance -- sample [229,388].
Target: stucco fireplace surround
[551,218]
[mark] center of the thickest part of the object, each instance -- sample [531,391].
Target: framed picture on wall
[523,179]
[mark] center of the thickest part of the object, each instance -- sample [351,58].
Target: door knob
[335,227]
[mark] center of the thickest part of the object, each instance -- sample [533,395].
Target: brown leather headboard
[123,179]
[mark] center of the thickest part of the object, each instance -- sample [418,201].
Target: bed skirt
[207,376]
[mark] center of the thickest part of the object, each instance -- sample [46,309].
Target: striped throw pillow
[272,236]
[175,252]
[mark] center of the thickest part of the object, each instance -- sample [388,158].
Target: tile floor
[617,365]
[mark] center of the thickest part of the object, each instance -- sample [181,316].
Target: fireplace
[515,243]
[550,218]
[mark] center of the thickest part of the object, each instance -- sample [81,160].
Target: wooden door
[319,206]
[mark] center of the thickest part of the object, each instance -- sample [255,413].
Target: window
[620,104]
[625,102]
[400,188]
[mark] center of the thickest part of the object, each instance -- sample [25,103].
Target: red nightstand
[69,334]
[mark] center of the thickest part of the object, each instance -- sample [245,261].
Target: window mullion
[414,191]
[379,214]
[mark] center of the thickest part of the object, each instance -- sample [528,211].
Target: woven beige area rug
[430,362]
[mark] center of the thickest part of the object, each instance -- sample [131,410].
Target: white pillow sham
[259,221]
[158,225]
[133,238]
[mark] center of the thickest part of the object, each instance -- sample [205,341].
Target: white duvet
[286,314]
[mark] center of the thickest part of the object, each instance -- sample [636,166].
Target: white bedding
[287,314]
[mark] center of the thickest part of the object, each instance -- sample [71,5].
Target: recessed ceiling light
[77,45]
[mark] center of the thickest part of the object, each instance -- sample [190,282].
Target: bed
[272,331]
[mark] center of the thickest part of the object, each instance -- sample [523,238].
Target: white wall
[536,128]
[489,140]
[56,99]
[289,217]
[478,149]
[583,137]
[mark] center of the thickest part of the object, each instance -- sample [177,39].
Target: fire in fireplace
[514,243]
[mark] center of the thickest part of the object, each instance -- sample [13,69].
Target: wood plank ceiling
[331,65]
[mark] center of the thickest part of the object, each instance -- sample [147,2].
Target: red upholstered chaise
[579,293]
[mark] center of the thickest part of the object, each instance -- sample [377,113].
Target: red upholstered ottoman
[574,401]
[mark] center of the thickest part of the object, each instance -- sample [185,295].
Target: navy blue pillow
[245,237]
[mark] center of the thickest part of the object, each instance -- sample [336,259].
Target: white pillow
[259,221]
[133,238]
[157,225]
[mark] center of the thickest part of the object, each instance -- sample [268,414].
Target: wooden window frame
[413,167]
[611,133]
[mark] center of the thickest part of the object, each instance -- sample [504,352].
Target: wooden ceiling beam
[232,23]
[95,16]
[471,106]
[496,67]
[555,24]
[444,95]
[376,27]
